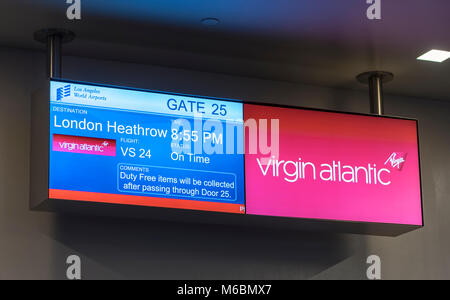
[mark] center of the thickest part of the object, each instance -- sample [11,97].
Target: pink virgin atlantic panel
[332,166]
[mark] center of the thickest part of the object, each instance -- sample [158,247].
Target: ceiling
[322,42]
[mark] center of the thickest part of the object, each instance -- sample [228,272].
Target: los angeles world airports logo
[62,92]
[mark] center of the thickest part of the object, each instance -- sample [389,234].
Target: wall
[34,245]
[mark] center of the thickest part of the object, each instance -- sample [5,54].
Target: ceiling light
[210,22]
[435,56]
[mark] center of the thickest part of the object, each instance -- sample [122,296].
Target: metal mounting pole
[54,38]
[375,80]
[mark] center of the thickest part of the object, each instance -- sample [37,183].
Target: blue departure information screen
[125,146]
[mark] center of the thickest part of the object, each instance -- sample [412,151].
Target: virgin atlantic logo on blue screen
[62,92]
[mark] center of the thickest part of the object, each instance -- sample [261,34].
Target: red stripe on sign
[146,201]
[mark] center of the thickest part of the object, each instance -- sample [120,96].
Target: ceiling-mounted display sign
[335,166]
[102,144]
[132,147]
